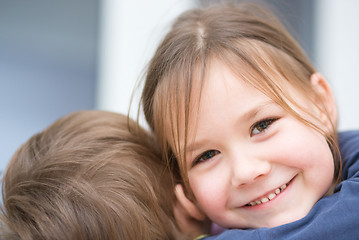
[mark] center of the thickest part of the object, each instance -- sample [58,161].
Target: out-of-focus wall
[131,30]
[337,53]
[48,53]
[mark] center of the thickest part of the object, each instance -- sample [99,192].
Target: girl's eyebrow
[256,109]
[247,115]
[194,146]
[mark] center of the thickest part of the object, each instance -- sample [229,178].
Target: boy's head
[90,175]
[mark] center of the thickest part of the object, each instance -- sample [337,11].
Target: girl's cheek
[209,191]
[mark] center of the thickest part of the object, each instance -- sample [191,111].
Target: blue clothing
[332,217]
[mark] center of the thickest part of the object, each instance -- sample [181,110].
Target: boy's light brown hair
[90,175]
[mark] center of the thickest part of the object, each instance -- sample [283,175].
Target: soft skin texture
[245,147]
[334,217]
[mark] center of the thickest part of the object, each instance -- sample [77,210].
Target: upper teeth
[269,197]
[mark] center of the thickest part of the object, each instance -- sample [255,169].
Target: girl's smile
[250,163]
[268,196]
[265,200]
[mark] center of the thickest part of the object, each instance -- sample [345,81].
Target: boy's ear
[322,88]
[188,207]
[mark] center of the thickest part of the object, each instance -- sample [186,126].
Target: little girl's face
[251,164]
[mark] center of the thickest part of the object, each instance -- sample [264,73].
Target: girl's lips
[268,197]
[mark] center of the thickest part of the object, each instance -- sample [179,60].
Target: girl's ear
[322,88]
[190,209]
[189,218]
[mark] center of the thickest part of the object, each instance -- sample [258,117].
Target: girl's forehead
[259,67]
[276,88]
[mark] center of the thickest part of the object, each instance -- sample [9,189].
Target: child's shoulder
[348,134]
[349,150]
[348,141]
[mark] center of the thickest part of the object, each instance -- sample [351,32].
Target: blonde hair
[252,43]
[90,175]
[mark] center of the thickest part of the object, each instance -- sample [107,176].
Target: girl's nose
[247,170]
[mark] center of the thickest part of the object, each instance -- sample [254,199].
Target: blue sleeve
[332,217]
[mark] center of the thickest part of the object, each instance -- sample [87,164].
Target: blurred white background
[60,56]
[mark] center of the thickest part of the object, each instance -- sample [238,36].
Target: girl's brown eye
[205,156]
[261,126]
